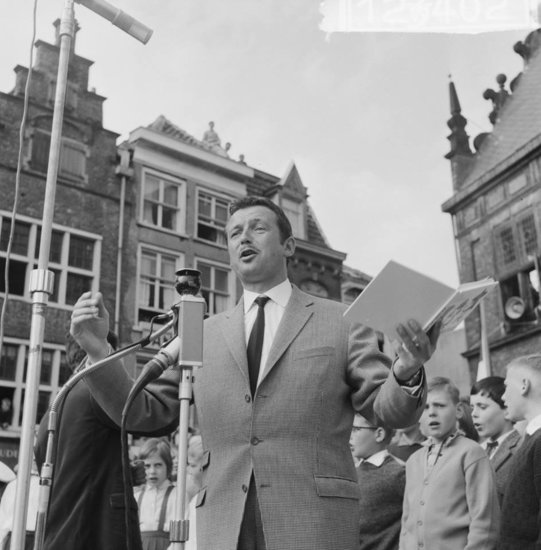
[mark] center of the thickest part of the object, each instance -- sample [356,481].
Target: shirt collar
[160,487]
[430,442]
[279,294]
[377,459]
[533,425]
[499,441]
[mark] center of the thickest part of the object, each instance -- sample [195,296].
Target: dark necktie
[255,342]
[491,448]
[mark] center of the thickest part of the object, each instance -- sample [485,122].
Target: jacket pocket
[328,486]
[323,351]
[116,500]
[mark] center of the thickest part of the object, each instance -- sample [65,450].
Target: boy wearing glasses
[382,480]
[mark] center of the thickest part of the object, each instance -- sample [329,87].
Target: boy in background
[450,500]
[489,414]
[382,479]
[521,513]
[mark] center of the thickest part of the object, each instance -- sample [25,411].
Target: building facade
[496,211]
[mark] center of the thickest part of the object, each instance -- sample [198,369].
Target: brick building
[86,210]
[495,209]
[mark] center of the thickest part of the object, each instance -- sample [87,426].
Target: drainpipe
[123,169]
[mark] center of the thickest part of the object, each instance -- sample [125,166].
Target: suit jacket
[293,436]
[501,461]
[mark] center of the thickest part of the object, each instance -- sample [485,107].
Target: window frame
[65,141]
[60,269]
[211,289]
[19,384]
[212,223]
[179,263]
[180,218]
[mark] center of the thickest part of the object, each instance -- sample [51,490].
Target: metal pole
[485,349]
[41,287]
[190,318]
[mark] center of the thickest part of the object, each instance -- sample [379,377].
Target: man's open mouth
[247,253]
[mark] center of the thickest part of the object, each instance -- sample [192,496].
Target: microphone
[165,357]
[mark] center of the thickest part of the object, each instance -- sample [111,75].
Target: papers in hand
[399,293]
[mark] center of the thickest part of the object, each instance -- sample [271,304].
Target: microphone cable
[152,370]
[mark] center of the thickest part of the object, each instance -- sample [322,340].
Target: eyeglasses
[358,428]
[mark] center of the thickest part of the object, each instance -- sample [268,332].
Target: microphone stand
[42,279]
[191,312]
[47,467]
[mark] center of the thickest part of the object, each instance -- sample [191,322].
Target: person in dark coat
[86,505]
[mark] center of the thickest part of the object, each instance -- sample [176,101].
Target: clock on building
[314,287]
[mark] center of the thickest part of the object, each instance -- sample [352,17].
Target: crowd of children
[156,495]
[450,491]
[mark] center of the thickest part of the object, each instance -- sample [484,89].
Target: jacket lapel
[233,331]
[506,450]
[298,310]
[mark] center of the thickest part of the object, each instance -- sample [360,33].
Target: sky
[362,114]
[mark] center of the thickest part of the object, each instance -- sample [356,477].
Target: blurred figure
[6,413]
[450,501]
[489,414]
[521,508]
[406,442]
[7,511]
[155,499]
[465,420]
[382,480]
[86,503]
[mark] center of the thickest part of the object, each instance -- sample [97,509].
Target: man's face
[440,415]
[256,254]
[488,417]
[362,441]
[513,394]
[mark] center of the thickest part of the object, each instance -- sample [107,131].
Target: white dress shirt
[274,311]
[151,507]
[533,425]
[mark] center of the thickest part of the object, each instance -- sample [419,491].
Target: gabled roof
[292,183]
[518,126]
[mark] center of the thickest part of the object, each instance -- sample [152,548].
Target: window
[212,214]
[163,201]
[528,234]
[73,258]
[215,286]
[507,245]
[13,367]
[156,283]
[72,156]
[516,242]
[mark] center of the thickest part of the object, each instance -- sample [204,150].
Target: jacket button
[255,441]
[245,488]
[247,398]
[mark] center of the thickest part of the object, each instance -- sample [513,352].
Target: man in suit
[275,398]
[489,416]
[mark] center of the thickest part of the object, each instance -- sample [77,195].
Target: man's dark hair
[246,202]
[491,386]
